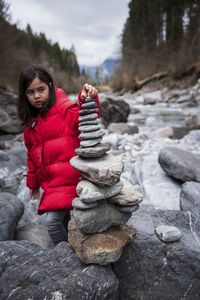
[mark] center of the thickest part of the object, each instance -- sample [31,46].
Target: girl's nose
[36,95]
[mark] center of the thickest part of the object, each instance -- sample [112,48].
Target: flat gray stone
[168,233]
[90,143]
[91,104]
[96,151]
[92,135]
[88,117]
[100,218]
[128,196]
[77,203]
[127,208]
[89,128]
[89,192]
[105,171]
[90,122]
[88,111]
[190,197]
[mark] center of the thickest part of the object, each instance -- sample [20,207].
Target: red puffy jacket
[51,144]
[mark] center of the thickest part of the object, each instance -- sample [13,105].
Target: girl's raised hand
[88,90]
[34,193]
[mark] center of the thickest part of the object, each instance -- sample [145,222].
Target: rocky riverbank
[165,170]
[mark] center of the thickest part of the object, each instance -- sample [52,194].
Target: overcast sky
[94,27]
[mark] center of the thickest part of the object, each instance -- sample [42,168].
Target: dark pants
[57,222]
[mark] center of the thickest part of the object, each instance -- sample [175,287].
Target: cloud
[92,26]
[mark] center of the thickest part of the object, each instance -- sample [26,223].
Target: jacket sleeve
[31,180]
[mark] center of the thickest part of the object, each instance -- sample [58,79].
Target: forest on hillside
[19,49]
[158,36]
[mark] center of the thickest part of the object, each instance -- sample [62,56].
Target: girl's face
[37,92]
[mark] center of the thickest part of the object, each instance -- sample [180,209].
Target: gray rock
[127,208]
[180,164]
[77,203]
[29,272]
[89,128]
[88,117]
[122,128]
[90,122]
[151,269]
[11,210]
[91,104]
[88,111]
[9,181]
[190,197]
[37,234]
[127,196]
[149,101]
[105,171]
[92,135]
[114,111]
[9,124]
[90,143]
[168,233]
[89,192]
[96,151]
[100,218]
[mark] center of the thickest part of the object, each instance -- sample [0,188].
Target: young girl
[51,136]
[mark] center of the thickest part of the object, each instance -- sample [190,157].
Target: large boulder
[11,210]
[151,269]
[114,111]
[28,271]
[180,164]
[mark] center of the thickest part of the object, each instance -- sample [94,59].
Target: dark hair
[24,108]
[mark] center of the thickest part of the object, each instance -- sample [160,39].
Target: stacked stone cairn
[97,230]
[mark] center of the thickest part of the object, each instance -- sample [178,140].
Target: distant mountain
[102,72]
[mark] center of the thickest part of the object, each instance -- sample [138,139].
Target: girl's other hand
[88,90]
[34,193]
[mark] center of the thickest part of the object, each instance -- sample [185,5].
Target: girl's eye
[29,92]
[41,90]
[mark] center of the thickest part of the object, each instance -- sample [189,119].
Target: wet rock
[95,151]
[11,210]
[100,218]
[89,192]
[127,196]
[28,271]
[100,248]
[37,234]
[149,101]
[180,164]
[168,233]
[190,197]
[105,171]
